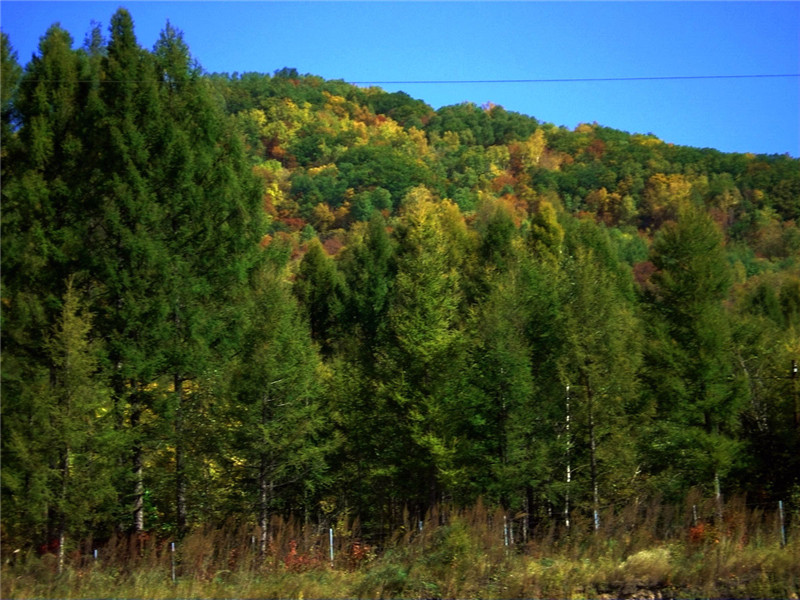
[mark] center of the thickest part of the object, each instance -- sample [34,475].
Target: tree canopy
[234,296]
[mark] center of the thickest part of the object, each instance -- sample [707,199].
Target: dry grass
[640,551]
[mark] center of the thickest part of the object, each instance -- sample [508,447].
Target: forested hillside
[232,296]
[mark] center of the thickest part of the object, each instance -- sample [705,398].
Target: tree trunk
[180,468]
[62,517]
[263,507]
[593,454]
[138,470]
[529,519]
[263,485]
[569,466]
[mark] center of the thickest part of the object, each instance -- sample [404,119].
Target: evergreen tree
[689,361]
[600,361]
[10,74]
[319,287]
[210,231]
[500,358]
[58,448]
[421,379]
[275,420]
[369,275]
[43,234]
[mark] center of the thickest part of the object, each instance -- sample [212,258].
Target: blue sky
[412,41]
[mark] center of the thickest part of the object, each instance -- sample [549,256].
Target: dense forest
[227,297]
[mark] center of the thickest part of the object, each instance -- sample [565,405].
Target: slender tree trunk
[796,386]
[432,488]
[62,517]
[717,487]
[180,467]
[138,490]
[569,466]
[263,485]
[593,455]
[528,513]
[138,469]
[263,506]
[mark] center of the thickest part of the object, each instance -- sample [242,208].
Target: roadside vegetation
[647,551]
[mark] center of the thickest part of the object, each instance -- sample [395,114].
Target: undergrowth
[647,552]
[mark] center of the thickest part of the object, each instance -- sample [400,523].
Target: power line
[576,79]
[474,81]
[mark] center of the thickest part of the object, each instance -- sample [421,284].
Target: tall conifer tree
[689,365]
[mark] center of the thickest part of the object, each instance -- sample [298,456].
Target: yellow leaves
[257,116]
[546,234]
[276,186]
[500,159]
[336,104]
[665,197]
[419,140]
[360,131]
[329,169]
[648,141]
[282,119]
[322,217]
[533,149]
[388,132]
[552,161]
[451,140]
[418,199]
[612,208]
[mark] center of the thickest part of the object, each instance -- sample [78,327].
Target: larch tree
[600,361]
[421,379]
[320,288]
[689,360]
[275,445]
[80,430]
[43,240]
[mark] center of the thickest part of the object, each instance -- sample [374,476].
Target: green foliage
[431,283]
[273,421]
[320,289]
[691,341]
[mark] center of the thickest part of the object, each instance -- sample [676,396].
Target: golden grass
[649,552]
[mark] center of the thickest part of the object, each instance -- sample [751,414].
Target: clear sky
[413,41]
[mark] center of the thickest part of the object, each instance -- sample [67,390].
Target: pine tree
[10,74]
[369,276]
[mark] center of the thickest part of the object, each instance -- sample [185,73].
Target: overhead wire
[575,79]
[477,81]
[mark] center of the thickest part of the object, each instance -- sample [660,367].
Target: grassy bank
[640,552]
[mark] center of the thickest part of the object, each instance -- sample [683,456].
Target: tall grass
[642,550]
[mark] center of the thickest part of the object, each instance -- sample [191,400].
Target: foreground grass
[463,557]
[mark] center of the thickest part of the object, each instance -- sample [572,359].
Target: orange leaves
[299,562]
